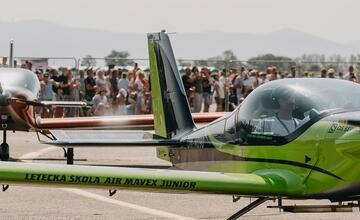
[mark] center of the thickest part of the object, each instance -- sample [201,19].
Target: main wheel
[4,152]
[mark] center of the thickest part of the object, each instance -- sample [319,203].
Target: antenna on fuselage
[11,56]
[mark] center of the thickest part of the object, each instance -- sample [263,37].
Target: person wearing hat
[331,73]
[121,109]
[262,78]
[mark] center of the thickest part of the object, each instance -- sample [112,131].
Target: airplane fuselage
[324,153]
[19,84]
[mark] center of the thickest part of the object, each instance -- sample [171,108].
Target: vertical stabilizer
[172,115]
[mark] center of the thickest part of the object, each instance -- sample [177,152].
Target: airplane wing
[266,183]
[63,103]
[50,103]
[106,138]
[143,122]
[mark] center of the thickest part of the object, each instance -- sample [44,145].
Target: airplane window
[230,127]
[18,78]
[277,109]
[216,128]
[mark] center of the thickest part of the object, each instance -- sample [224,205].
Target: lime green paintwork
[145,179]
[163,153]
[157,101]
[336,152]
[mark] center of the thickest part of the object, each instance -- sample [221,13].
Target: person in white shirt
[123,83]
[100,98]
[282,123]
[219,94]
[351,74]
[120,109]
[4,62]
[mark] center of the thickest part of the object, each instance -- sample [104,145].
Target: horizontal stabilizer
[269,184]
[106,138]
[50,103]
[64,103]
[126,122]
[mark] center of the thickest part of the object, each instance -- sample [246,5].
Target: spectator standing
[139,87]
[123,82]
[219,94]
[248,85]
[238,84]
[4,62]
[331,73]
[207,85]
[323,73]
[90,85]
[341,75]
[59,111]
[198,83]
[351,74]
[120,109]
[292,72]
[101,82]
[262,78]
[65,84]
[54,75]
[187,82]
[47,94]
[81,80]
[274,73]
[113,78]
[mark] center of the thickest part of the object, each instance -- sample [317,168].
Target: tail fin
[172,116]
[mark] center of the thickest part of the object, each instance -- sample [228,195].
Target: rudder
[172,115]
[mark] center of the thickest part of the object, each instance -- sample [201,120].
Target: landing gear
[248,208]
[69,154]
[112,192]
[5,187]
[4,147]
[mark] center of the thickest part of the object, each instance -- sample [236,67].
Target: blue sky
[332,19]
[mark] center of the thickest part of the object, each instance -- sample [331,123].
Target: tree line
[228,60]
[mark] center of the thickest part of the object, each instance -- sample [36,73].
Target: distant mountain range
[44,39]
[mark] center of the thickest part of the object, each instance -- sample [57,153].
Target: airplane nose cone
[5,98]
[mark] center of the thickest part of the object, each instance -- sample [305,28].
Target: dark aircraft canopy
[281,107]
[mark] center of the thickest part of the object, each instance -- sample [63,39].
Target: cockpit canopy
[19,79]
[281,107]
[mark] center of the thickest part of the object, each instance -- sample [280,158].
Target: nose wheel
[4,148]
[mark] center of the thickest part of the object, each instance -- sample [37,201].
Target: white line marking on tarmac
[126,204]
[35,154]
[103,198]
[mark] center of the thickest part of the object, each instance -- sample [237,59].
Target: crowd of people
[117,92]
[110,92]
[228,88]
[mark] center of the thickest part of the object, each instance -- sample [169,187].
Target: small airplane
[18,97]
[292,139]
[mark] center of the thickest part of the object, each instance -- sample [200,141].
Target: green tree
[184,63]
[88,61]
[119,58]
[261,62]
[226,60]
[201,63]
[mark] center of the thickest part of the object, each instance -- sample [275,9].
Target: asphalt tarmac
[39,203]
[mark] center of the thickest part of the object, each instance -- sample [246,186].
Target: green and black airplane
[289,139]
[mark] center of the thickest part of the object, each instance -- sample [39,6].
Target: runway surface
[38,203]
